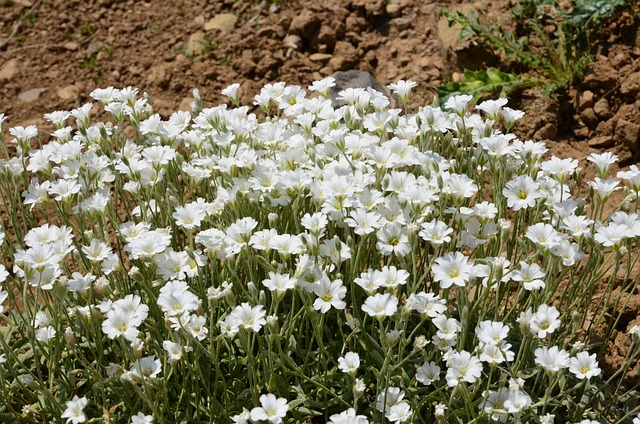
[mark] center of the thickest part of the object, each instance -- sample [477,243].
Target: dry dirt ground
[53,53]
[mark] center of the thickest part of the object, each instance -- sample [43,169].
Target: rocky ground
[54,53]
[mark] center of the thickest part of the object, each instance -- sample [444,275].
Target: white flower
[249,317]
[279,283]
[147,367]
[530,275]
[330,293]
[393,238]
[348,417]
[427,373]
[380,305]
[272,409]
[545,321]
[584,365]
[510,116]
[141,418]
[559,169]
[436,232]
[453,268]
[392,396]
[231,92]
[402,89]
[521,193]
[492,107]
[462,366]
[552,359]
[492,332]
[74,413]
[458,104]
[602,162]
[399,413]
[3,296]
[45,334]
[349,363]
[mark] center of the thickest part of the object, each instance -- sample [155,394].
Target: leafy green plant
[550,41]
[478,83]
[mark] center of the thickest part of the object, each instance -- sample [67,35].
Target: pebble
[9,70]
[223,22]
[30,96]
[70,92]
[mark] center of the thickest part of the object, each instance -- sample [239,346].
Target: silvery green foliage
[303,263]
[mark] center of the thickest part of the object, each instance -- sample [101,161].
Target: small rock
[353,79]
[157,75]
[199,20]
[345,56]
[273,32]
[30,95]
[394,10]
[274,8]
[401,24]
[606,127]
[628,133]
[355,23]
[601,108]
[547,132]
[305,25]
[9,70]
[292,42]
[68,93]
[589,117]
[581,133]
[71,46]
[94,47]
[631,85]
[320,57]
[223,22]
[327,35]
[586,99]
[196,43]
[601,141]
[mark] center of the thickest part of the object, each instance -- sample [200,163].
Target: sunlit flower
[74,413]
[271,409]
[584,365]
[380,305]
[349,363]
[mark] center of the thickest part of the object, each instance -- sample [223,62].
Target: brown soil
[61,50]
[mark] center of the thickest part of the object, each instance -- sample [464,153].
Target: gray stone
[30,96]
[353,79]
[223,22]
[9,70]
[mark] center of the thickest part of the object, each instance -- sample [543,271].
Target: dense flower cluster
[356,263]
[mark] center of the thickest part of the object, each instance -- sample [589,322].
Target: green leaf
[487,81]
